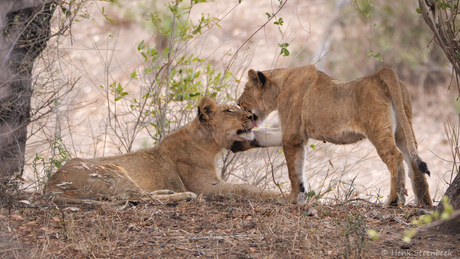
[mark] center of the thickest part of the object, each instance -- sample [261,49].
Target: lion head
[259,96]
[227,123]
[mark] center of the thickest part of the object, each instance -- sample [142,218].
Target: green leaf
[373,234]
[370,53]
[110,20]
[280,22]
[284,52]
[134,74]
[141,46]
[283,45]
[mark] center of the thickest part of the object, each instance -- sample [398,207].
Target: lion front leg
[295,160]
[240,146]
[264,137]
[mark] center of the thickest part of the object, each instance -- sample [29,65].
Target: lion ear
[206,108]
[258,77]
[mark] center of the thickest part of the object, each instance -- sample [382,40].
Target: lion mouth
[254,117]
[248,129]
[254,120]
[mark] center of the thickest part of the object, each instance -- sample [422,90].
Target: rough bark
[25,29]
[443,23]
[441,19]
[449,226]
[453,192]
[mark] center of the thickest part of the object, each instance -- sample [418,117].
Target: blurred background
[133,71]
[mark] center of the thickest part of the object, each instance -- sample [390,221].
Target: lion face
[257,97]
[235,124]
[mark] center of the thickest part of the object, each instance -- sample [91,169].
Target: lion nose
[251,117]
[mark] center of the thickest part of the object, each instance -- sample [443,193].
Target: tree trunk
[444,27]
[453,192]
[449,226]
[25,29]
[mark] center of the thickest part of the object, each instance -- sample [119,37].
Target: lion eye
[229,111]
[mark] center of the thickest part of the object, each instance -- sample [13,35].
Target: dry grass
[224,228]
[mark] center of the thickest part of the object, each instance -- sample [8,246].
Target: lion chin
[242,135]
[181,167]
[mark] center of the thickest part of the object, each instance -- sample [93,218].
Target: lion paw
[288,199]
[394,202]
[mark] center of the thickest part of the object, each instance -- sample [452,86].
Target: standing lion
[312,105]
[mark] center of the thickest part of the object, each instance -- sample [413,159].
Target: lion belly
[340,138]
[339,124]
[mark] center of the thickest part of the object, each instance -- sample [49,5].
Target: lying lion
[181,167]
[312,105]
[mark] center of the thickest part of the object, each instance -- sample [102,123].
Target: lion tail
[390,78]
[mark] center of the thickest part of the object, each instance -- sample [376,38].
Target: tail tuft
[423,167]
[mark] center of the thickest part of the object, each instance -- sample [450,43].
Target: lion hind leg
[172,196]
[162,192]
[384,142]
[420,187]
[416,170]
[73,197]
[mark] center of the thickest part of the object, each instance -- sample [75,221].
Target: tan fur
[313,105]
[181,167]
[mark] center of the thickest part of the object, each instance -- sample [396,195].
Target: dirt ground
[225,228]
[222,228]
